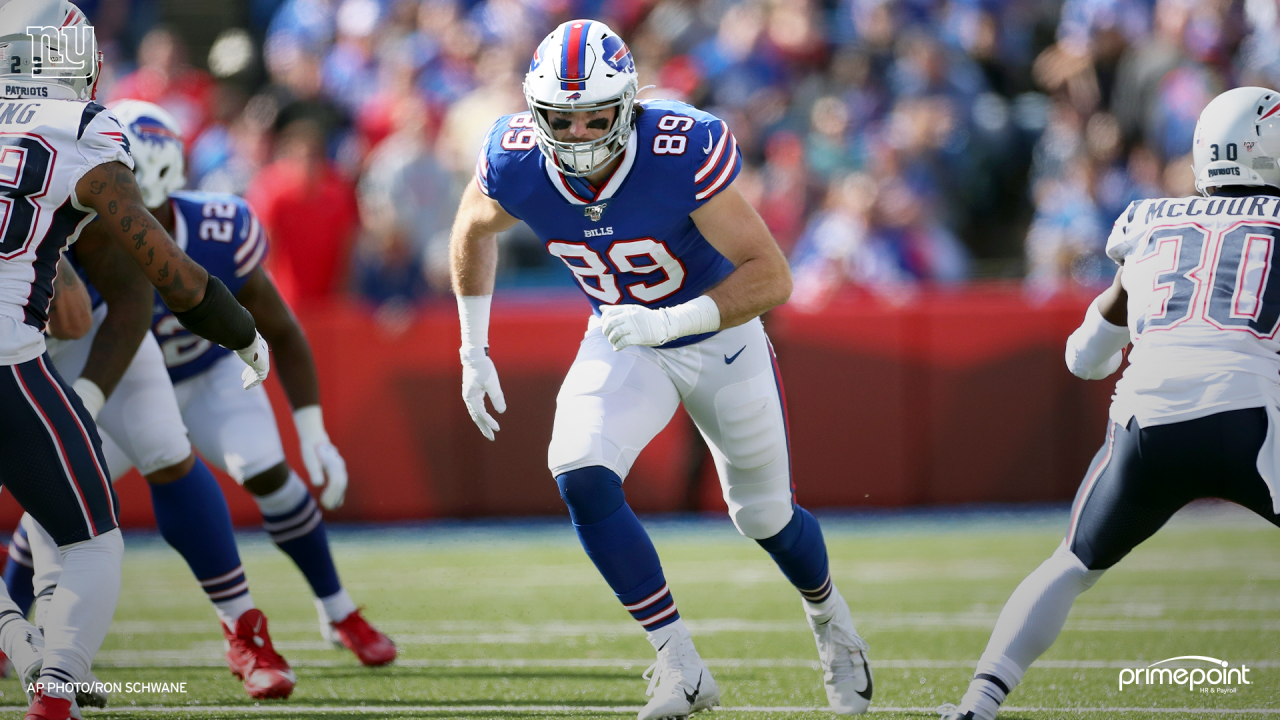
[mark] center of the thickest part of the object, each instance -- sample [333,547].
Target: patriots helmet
[155,142]
[582,66]
[1230,145]
[47,50]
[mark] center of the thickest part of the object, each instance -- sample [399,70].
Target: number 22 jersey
[630,241]
[1204,306]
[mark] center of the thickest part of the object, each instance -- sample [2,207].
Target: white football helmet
[155,142]
[62,62]
[582,65]
[1229,148]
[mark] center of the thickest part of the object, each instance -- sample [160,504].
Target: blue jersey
[222,234]
[630,240]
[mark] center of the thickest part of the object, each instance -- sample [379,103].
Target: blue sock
[20,571]
[801,554]
[292,519]
[618,545]
[193,517]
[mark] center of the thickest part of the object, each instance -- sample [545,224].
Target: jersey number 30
[1227,276]
[599,281]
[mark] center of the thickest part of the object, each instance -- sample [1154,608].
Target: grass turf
[511,620]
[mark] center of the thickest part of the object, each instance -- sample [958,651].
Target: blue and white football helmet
[155,142]
[582,65]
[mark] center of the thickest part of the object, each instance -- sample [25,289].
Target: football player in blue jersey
[235,429]
[637,198]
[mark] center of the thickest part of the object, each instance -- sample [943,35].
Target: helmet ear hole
[164,171]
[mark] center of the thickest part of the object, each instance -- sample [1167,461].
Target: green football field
[500,620]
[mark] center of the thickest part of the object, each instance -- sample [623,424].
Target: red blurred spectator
[163,77]
[309,211]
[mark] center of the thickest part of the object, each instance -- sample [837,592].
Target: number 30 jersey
[1204,306]
[630,241]
[46,147]
[222,234]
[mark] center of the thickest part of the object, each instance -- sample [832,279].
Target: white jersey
[1204,306]
[46,146]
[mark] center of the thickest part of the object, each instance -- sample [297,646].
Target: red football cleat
[371,646]
[44,707]
[252,658]
[5,665]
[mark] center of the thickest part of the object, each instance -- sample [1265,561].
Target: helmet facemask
[581,159]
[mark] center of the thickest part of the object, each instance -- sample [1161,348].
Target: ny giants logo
[62,51]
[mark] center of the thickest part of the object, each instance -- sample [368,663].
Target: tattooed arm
[128,296]
[70,312]
[111,190]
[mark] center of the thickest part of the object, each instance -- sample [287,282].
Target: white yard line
[461,632]
[213,658]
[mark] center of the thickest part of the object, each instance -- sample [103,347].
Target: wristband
[699,315]
[1093,346]
[91,396]
[309,422]
[220,318]
[473,318]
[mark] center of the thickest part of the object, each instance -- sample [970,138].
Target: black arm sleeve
[220,318]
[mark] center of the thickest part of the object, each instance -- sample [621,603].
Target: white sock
[285,498]
[676,631]
[824,610]
[1028,625]
[336,607]
[82,606]
[229,611]
[19,639]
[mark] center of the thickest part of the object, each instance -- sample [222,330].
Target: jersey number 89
[597,279]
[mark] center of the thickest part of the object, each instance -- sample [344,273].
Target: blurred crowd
[886,143]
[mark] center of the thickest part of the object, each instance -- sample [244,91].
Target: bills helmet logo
[617,55]
[575,96]
[152,131]
[538,54]
[595,211]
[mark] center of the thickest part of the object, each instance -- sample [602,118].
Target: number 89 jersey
[630,241]
[222,234]
[1204,306]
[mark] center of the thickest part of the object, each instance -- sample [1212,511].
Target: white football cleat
[845,671]
[679,682]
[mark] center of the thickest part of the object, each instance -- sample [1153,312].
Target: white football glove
[90,395]
[627,325]
[1096,348]
[480,377]
[258,357]
[322,459]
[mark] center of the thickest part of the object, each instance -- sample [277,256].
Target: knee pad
[592,493]
[752,430]
[763,519]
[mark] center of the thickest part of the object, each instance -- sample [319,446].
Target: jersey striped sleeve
[720,163]
[484,170]
[252,249]
[1124,232]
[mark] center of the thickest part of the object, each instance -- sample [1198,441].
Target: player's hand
[480,378]
[258,357]
[324,463]
[636,325]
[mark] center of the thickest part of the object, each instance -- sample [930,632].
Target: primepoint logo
[1218,679]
